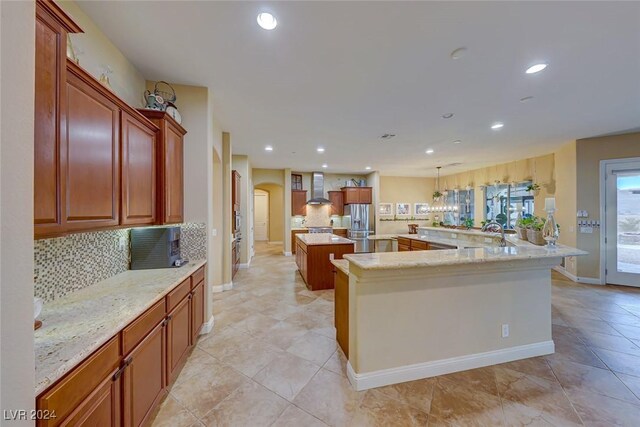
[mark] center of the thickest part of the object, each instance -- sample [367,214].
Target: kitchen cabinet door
[144,377]
[139,157]
[101,408]
[235,190]
[197,311]
[52,26]
[178,338]
[298,202]
[351,195]
[170,164]
[365,196]
[91,152]
[337,202]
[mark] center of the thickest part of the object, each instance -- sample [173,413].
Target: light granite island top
[417,259]
[323,239]
[74,326]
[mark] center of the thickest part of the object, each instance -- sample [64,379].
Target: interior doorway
[261,215]
[621,227]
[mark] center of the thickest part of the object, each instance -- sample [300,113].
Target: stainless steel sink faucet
[495,227]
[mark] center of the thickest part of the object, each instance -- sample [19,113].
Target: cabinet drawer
[136,331]
[197,277]
[403,248]
[65,397]
[403,241]
[419,245]
[178,294]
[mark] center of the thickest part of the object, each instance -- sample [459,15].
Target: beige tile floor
[272,360]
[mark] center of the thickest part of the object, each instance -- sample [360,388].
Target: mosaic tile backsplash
[66,264]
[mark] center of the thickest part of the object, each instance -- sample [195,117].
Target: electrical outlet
[331,256]
[122,243]
[454,236]
[214,232]
[505,330]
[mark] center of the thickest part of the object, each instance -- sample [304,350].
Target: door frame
[603,217]
[268,196]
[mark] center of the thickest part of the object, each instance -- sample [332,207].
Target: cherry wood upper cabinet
[139,159]
[52,26]
[337,202]
[357,195]
[235,190]
[91,153]
[170,181]
[298,202]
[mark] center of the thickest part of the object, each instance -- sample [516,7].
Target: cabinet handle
[169,317]
[190,296]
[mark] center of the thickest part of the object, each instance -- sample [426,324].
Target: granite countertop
[342,265]
[75,326]
[382,236]
[323,239]
[459,244]
[416,259]
[306,228]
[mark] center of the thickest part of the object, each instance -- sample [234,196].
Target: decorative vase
[535,237]
[550,229]
[522,233]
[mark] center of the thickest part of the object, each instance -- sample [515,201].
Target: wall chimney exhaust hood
[317,190]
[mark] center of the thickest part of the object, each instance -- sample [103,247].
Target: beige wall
[589,153]
[96,51]
[17,70]
[400,189]
[566,181]
[226,197]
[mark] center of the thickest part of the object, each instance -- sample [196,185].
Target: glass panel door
[622,223]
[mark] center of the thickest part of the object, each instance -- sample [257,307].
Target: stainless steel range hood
[317,190]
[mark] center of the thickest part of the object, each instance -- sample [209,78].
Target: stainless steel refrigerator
[360,226]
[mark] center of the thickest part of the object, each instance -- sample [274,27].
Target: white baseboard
[227,286]
[207,327]
[287,253]
[274,243]
[577,279]
[418,371]
[589,281]
[217,288]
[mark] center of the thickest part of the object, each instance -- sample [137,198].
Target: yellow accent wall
[589,153]
[276,210]
[400,189]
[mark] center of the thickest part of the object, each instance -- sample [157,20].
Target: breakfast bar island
[418,314]
[314,253]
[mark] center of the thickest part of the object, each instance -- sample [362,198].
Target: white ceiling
[341,74]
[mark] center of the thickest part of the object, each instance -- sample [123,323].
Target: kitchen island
[419,314]
[314,253]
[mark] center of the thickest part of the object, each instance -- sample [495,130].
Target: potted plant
[534,231]
[533,188]
[521,227]
[468,223]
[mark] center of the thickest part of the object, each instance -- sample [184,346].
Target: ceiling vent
[387,136]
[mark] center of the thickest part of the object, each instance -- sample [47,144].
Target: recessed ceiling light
[325,165]
[429,151]
[447,115]
[267,21]
[457,141]
[526,99]
[458,53]
[320,150]
[497,125]
[268,148]
[368,168]
[536,68]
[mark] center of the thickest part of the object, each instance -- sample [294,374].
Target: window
[296,181]
[462,203]
[503,202]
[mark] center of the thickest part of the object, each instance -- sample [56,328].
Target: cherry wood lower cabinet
[294,233]
[178,337]
[123,381]
[314,262]
[341,312]
[407,244]
[101,408]
[144,377]
[197,310]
